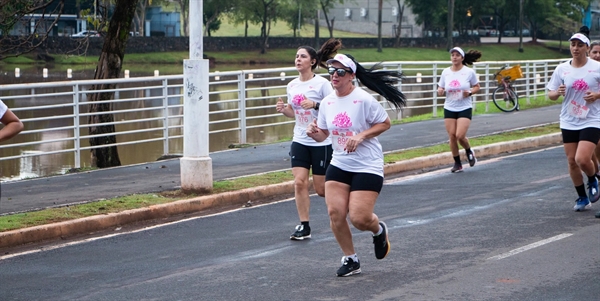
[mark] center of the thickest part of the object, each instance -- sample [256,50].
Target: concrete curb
[100,222]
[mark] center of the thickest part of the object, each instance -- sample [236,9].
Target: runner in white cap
[354,179]
[577,81]
[304,95]
[459,83]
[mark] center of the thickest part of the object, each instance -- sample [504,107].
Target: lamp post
[196,165]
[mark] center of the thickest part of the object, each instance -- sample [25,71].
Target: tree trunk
[109,66]
[317,42]
[379,20]
[450,24]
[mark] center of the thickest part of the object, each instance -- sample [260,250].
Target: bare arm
[284,109]
[555,94]
[313,131]
[12,126]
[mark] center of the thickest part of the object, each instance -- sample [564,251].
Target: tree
[449,29]
[431,19]
[399,18]
[184,5]
[14,12]
[261,12]
[326,5]
[294,13]
[560,25]
[109,66]
[212,12]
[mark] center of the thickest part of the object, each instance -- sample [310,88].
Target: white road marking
[531,246]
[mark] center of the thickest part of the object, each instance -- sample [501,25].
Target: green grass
[29,219]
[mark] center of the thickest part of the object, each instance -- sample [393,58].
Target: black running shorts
[317,157]
[574,136]
[468,113]
[356,180]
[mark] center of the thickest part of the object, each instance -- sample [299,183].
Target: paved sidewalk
[158,176]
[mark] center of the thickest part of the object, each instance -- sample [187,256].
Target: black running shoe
[349,267]
[457,168]
[301,233]
[471,158]
[381,242]
[598,214]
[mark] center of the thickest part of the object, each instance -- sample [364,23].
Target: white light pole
[196,165]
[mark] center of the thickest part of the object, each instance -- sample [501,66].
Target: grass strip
[46,216]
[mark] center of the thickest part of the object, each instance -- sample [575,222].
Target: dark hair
[327,51]
[381,82]
[584,30]
[471,57]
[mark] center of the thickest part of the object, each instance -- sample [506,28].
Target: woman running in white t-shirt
[577,80]
[304,95]
[459,82]
[353,118]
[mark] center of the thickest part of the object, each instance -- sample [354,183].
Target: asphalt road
[27,195]
[502,230]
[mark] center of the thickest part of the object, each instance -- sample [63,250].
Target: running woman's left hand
[307,104]
[353,142]
[590,96]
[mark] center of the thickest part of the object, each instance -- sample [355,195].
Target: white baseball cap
[459,50]
[344,60]
[581,37]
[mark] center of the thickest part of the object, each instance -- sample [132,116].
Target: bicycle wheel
[506,101]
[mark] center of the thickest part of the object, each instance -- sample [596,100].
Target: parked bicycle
[504,96]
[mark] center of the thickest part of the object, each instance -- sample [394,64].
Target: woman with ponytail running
[459,83]
[304,95]
[353,118]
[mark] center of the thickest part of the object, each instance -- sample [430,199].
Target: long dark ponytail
[327,51]
[381,82]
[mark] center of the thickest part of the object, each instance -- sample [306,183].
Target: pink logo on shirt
[298,98]
[580,85]
[454,84]
[357,101]
[342,120]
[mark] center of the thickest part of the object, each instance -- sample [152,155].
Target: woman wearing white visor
[354,178]
[577,81]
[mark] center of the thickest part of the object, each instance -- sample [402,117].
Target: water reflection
[148,127]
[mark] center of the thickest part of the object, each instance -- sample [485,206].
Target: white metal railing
[148,111]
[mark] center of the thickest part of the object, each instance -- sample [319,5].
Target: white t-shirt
[348,116]
[3,109]
[575,113]
[454,83]
[314,89]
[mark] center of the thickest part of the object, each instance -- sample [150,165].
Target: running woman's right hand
[562,89]
[440,91]
[312,128]
[280,105]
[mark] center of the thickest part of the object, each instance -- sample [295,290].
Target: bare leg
[462,126]
[337,199]
[451,129]
[301,184]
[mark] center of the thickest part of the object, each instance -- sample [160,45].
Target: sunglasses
[340,71]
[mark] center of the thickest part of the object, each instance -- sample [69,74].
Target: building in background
[361,16]
[160,23]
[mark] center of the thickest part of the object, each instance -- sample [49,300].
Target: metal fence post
[242,105]
[165,93]
[487,87]
[435,95]
[76,125]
